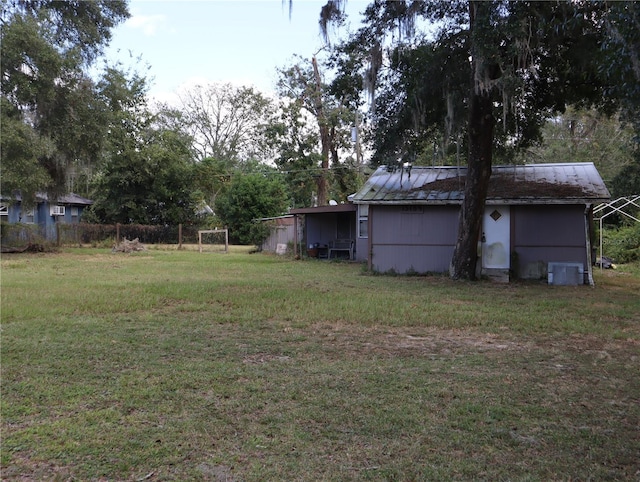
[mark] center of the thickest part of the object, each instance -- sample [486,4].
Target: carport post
[295,236]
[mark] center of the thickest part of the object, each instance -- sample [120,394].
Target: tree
[518,63]
[147,176]
[250,197]
[150,184]
[48,100]
[294,143]
[21,149]
[621,63]
[226,122]
[346,178]
[302,85]
[627,182]
[622,69]
[585,135]
[212,177]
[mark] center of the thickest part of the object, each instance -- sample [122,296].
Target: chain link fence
[23,237]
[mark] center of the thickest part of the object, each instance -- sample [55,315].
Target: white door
[496,237]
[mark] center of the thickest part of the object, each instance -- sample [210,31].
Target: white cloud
[149,24]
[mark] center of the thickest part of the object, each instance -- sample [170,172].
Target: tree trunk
[465,256]
[322,177]
[481,125]
[325,140]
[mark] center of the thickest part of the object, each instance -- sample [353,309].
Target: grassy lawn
[175,365]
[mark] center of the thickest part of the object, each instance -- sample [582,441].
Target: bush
[251,197]
[20,235]
[622,244]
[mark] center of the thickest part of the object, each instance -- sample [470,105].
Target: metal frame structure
[605,210]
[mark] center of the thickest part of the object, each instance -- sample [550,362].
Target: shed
[283,230]
[535,214]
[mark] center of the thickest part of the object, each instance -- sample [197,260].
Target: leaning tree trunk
[481,124]
[322,181]
[324,138]
[465,255]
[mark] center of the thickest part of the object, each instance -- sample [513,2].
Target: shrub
[622,244]
[20,235]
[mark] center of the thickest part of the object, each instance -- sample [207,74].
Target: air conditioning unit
[565,274]
[57,210]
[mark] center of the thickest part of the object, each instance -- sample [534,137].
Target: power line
[310,169]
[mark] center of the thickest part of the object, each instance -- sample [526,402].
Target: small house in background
[45,213]
[283,231]
[537,217]
[332,232]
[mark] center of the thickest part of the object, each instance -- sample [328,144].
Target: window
[363,220]
[4,210]
[29,216]
[57,210]
[74,214]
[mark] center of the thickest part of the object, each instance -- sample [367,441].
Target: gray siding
[362,249]
[412,259]
[422,239]
[548,233]
[417,239]
[280,234]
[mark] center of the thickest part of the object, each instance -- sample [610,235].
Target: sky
[188,42]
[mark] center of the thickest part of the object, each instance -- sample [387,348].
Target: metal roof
[566,183]
[338,208]
[70,198]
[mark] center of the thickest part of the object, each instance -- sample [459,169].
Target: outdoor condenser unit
[565,273]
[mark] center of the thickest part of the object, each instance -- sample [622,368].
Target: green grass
[175,365]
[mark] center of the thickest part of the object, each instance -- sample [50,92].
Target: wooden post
[57,233]
[179,236]
[369,238]
[295,237]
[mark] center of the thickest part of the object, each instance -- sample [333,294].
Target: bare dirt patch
[416,342]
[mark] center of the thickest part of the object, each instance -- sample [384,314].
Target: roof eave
[489,201]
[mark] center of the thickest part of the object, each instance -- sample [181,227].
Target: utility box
[565,274]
